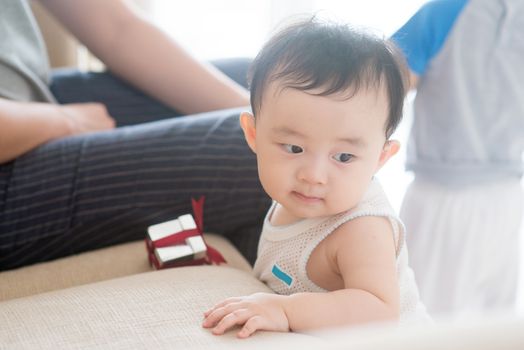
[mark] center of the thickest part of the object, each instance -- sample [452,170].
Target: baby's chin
[309,212]
[315,213]
[302,207]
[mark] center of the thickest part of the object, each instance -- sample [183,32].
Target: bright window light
[215,29]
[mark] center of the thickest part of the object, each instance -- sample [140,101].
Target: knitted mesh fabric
[288,248]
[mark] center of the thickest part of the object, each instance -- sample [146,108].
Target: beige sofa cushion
[163,310]
[98,265]
[155,310]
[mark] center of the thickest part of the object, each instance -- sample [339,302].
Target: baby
[325,100]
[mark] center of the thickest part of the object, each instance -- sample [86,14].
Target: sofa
[112,299]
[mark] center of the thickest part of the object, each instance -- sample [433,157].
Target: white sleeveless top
[284,251]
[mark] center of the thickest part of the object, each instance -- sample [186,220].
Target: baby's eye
[343,157]
[292,148]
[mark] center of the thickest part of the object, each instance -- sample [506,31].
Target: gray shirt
[469,110]
[24,65]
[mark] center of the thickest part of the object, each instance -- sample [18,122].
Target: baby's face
[317,155]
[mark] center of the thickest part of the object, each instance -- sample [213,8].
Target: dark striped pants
[95,190]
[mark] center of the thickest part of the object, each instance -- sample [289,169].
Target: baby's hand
[260,311]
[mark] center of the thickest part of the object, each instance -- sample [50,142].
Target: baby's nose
[313,172]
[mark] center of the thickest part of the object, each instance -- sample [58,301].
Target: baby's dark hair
[330,58]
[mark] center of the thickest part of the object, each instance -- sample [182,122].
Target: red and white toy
[180,242]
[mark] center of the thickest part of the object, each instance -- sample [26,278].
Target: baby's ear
[247,123]
[390,148]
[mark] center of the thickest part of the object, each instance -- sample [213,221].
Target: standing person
[464,207]
[71,182]
[325,100]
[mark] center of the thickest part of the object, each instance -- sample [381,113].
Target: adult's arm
[26,125]
[142,54]
[413,80]
[422,37]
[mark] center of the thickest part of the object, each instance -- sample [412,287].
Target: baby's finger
[237,317]
[221,304]
[213,318]
[216,315]
[252,325]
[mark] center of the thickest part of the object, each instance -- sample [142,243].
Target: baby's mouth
[306,198]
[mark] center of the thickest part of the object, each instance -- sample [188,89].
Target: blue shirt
[424,34]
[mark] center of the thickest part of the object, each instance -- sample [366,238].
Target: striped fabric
[86,192]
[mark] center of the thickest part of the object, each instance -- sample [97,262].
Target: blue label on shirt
[281,275]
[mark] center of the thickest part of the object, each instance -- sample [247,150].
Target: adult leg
[90,191]
[463,245]
[125,103]
[129,106]
[235,68]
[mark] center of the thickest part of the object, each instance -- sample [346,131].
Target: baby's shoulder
[363,225]
[360,232]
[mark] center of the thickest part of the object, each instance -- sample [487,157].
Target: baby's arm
[362,253]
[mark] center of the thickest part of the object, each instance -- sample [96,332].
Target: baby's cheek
[344,199]
[272,181]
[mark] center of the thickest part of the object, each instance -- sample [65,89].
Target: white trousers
[464,244]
